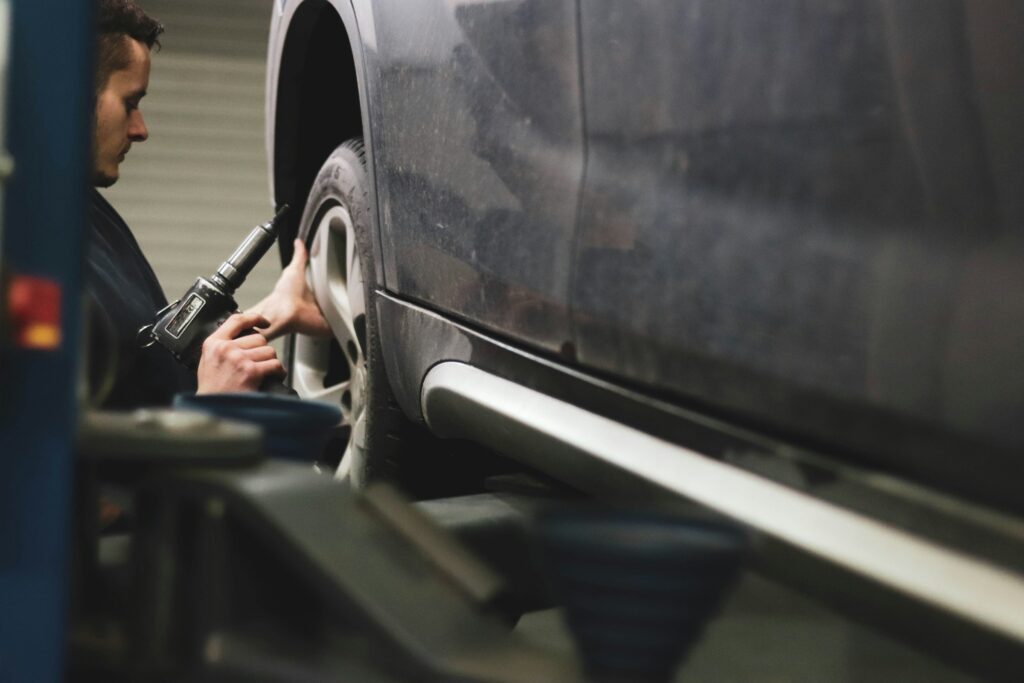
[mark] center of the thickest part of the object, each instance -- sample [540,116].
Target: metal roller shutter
[193,190]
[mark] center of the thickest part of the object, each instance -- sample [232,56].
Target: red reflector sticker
[33,304]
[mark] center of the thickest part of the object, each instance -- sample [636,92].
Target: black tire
[343,180]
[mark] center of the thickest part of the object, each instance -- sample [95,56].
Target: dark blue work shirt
[125,296]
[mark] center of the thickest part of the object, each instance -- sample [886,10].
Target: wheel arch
[319,102]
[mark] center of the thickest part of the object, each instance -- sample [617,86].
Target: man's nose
[137,130]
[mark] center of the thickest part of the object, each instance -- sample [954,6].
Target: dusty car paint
[807,213]
[479,151]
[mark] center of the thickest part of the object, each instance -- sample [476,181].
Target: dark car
[658,247]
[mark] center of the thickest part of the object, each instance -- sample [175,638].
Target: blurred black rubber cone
[638,588]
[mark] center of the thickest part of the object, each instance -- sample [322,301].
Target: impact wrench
[183,326]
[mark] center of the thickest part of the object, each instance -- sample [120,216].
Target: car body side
[817,235]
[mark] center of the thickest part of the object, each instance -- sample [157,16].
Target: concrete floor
[769,634]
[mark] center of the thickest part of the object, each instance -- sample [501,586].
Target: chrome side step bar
[591,451]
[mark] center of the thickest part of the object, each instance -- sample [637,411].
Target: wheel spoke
[339,313]
[359,430]
[356,444]
[332,395]
[308,371]
[354,274]
[345,466]
[337,287]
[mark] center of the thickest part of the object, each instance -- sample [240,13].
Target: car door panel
[478,150]
[790,216]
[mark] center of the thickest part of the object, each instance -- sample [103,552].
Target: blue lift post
[49,113]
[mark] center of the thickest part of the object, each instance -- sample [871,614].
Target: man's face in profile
[118,121]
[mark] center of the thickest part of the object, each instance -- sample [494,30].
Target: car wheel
[346,370]
[376,441]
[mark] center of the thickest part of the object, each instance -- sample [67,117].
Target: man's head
[126,36]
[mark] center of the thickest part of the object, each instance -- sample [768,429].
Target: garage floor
[784,638]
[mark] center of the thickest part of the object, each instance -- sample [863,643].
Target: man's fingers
[252,341]
[270,367]
[299,257]
[273,332]
[261,354]
[232,363]
[300,254]
[238,323]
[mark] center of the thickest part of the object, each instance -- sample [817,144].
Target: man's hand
[291,308]
[231,363]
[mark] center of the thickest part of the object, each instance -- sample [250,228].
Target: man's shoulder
[107,226]
[100,209]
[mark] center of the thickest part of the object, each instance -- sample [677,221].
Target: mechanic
[120,282]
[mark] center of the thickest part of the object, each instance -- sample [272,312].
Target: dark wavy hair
[118,20]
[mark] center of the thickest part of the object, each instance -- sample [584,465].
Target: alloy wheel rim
[334,370]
